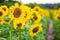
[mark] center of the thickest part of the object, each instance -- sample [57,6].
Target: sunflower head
[26,12]
[18,24]
[2,13]
[38,9]
[4,8]
[35,29]
[56,14]
[36,17]
[57,17]
[17,12]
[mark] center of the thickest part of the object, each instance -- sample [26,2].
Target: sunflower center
[35,18]
[35,29]
[58,17]
[17,13]
[36,9]
[0,13]
[19,25]
[4,9]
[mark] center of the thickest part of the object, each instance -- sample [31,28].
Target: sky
[40,1]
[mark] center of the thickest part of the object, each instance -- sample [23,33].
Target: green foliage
[8,32]
[57,30]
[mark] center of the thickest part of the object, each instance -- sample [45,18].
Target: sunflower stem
[10,35]
[19,35]
[32,38]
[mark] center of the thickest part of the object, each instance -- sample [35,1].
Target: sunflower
[57,17]
[46,13]
[2,15]
[56,14]
[18,24]
[36,17]
[35,29]
[4,8]
[37,9]
[27,16]
[16,12]
[27,12]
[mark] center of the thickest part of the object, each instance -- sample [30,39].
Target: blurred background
[51,4]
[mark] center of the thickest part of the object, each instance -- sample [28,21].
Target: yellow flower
[16,12]
[57,17]
[18,24]
[27,12]
[46,13]
[35,29]
[4,8]
[27,16]
[56,14]
[2,15]
[36,17]
[37,9]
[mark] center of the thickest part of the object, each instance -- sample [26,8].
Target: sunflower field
[20,21]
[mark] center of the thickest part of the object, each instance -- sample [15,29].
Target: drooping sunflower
[2,15]
[4,8]
[35,29]
[16,12]
[18,24]
[36,17]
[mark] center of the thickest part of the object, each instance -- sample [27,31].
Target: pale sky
[41,1]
